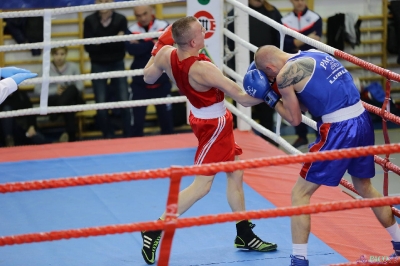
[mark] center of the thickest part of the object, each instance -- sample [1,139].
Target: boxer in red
[205,86]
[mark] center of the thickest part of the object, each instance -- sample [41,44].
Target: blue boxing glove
[7,72]
[18,78]
[252,66]
[256,84]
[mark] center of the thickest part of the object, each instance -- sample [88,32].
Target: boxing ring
[74,203]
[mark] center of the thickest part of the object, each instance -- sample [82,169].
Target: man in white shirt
[11,77]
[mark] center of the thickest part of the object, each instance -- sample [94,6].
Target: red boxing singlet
[211,123]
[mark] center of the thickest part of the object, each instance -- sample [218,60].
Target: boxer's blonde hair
[182,31]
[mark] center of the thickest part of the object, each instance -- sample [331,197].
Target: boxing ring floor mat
[336,236]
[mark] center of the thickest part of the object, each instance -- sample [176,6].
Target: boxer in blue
[315,81]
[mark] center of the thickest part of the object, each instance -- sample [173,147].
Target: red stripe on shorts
[323,130]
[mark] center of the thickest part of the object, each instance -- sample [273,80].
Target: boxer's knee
[206,189]
[365,188]
[302,192]
[203,185]
[236,175]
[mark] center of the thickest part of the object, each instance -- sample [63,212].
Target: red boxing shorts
[216,140]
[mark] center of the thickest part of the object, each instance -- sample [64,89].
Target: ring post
[242,60]
[171,215]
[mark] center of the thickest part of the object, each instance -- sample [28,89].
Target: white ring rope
[309,122]
[239,40]
[84,8]
[266,132]
[94,106]
[232,73]
[101,75]
[96,40]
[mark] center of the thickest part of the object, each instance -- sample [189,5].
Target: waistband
[213,111]
[344,113]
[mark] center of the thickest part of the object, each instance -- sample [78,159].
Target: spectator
[308,23]
[141,50]
[12,99]
[108,57]
[20,130]
[269,36]
[66,93]
[26,30]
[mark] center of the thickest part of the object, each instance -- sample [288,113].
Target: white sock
[300,249]
[394,232]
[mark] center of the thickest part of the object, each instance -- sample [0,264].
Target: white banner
[210,14]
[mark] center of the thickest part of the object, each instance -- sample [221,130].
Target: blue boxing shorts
[350,133]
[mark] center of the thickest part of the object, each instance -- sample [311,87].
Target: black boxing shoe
[151,239]
[246,239]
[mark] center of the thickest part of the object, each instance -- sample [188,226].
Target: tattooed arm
[294,75]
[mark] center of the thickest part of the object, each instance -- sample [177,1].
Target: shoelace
[155,245]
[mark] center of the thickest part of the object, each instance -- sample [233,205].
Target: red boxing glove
[275,88]
[164,39]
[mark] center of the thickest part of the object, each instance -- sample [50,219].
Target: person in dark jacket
[107,57]
[308,23]
[26,30]
[141,50]
[20,130]
[269,36]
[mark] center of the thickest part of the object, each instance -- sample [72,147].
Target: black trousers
[164,111]
[17,126]
[70,96]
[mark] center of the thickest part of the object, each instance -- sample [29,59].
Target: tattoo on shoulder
[296,72]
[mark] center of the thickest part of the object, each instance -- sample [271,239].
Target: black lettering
[204,23]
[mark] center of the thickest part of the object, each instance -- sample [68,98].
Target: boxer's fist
[274,86]
[164,39]
[256,84]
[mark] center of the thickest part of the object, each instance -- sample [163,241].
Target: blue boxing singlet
[330,87]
